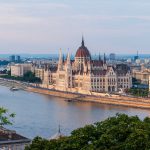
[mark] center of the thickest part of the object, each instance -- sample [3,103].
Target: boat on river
[14,88]
[69,100]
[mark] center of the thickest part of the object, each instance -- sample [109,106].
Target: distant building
[39,72]
[19,70]
[12,58]
[15,58]
[146,61]
[18,59]
[112,56]
[10,140]
[138,61]
[142,75]
[129,60]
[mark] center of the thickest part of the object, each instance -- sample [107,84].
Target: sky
[45,26]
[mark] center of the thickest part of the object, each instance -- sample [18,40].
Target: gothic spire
[63,59]
[68,58]
[60,56]
[60,63]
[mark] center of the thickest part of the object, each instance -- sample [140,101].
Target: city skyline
[42,26]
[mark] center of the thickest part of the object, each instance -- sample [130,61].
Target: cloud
[45,24]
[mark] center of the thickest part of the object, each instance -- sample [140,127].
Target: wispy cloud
[45,24]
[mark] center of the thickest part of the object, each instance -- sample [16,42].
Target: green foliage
[28,77]
[5,117]
[120,132]
[135,81]
[138,92]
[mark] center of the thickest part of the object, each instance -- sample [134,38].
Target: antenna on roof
[59,129]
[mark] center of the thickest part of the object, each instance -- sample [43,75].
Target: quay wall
[122,101]
[114,100]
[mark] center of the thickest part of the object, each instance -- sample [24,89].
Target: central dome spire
[82,51]
[82,40]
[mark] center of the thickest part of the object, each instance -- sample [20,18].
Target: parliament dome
[83,51]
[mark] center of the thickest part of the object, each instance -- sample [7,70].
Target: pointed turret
[68,72]
[63,59]
[60,63]
[60,56]
[68,58]
[68,64]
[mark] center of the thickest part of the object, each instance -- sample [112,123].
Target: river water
[40,115]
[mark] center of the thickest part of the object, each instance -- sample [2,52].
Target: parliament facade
[84,74]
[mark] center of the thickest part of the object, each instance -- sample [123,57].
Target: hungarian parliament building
[84,74]
[81,75]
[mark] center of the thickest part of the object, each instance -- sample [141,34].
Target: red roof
[82,52]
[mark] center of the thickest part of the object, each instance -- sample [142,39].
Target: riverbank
[114,100]
[120,100]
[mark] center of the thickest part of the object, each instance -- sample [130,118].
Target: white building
[19,70]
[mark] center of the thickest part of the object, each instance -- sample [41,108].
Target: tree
[121,132]
[30,77]
[5,117]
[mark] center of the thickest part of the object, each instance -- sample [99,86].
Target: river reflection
[40,115]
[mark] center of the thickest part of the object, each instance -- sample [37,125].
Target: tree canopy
[121,132]
[27,77]
[5,117]
[30,77]
[138,92]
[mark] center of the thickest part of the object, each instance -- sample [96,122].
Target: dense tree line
[28,77]
[138,92]
[115,133]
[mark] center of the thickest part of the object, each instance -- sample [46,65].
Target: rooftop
[9,136]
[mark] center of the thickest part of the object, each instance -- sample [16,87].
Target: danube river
[40,115]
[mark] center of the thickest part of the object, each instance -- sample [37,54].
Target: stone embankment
[118,100]
[13,83]
[122,100]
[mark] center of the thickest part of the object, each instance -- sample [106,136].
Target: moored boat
[14,89]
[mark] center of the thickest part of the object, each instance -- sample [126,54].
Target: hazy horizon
[45,26]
